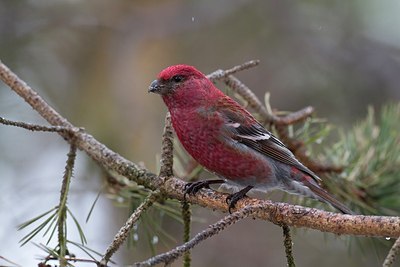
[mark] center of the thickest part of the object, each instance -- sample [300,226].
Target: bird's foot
[232,199]
[193,188]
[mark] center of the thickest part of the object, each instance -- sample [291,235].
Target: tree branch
[211,230]
[219,74]
[34,127]
[167,147]
[393,252]
[287,242]
[124,231]
[62,206]
[186,217]
[291,215]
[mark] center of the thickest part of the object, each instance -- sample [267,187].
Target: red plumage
[228,141]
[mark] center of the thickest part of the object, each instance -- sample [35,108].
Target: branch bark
[391,257]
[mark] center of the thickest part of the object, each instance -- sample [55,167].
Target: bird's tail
[324,196]
[307,186]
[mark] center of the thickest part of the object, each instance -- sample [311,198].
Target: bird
[228,141]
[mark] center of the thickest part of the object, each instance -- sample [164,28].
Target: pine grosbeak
[228,141]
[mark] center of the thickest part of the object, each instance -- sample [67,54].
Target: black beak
[155,87]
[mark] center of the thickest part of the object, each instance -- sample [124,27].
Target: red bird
[228,141]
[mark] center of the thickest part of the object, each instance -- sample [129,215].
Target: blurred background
[93,61]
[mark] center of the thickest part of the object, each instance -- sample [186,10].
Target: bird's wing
[244,128]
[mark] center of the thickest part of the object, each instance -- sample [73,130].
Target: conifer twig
[219,74]
[287,242]
[167,157]
[393,252]
[35,127]
[186,216]
[123,233]
[62,207]
[210,231]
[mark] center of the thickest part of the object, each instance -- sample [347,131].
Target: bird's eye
[177,78]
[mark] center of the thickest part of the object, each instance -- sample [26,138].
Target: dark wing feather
[256,137]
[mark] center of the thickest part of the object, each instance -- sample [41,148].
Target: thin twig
[287,242]
[62,207]
[393,252]
[166,168]
[211,230]
[294,117]
[219,74]
[122,234]
[186,217]
[35,127]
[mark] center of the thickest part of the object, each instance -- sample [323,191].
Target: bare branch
[295,117]
[122,234]
[186,216]
[294,215]
[393,252]
[35,127]
[211,230]
[287,242]
[167,149]
[219,74]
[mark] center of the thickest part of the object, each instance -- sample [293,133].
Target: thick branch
[296,216]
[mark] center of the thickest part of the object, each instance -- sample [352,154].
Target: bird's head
[182,85]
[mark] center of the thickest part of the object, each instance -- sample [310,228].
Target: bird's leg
[193,188]
[232,199]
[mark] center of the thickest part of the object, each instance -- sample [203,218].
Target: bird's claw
[232,199]
[193,188]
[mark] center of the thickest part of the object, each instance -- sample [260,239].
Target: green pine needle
[78,226]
